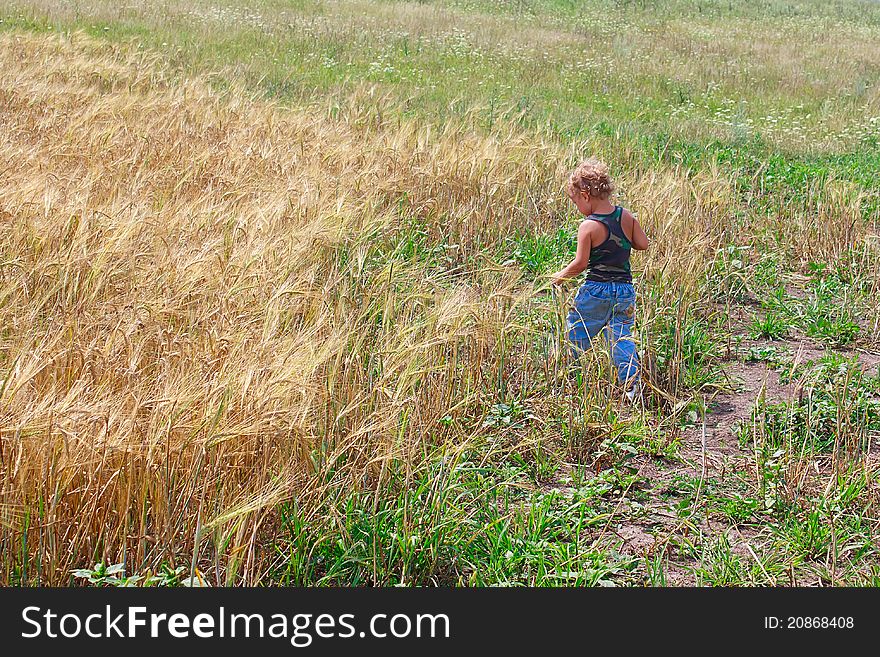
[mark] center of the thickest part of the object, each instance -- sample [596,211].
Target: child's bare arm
[582,256]
[634,230]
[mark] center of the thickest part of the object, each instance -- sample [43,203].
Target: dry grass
[726,71]
[195,318]
[205,310]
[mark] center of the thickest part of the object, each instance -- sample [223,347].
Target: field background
[274,305]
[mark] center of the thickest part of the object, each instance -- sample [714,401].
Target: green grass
[838,409]
[770,326]
[656,72]
[722,86]
[456,523]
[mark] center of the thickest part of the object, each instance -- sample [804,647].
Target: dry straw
[204,309]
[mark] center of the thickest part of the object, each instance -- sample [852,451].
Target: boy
[606,300]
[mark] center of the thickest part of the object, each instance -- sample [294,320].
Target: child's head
[589,182]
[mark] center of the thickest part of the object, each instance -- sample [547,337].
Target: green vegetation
[296,252]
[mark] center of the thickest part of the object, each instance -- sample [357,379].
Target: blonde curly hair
[591,176]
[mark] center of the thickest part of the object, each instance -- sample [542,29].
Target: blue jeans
[609,307]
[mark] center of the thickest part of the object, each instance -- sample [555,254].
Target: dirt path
[711,451]
[669,508]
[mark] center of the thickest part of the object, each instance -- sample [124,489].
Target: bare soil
[711,450]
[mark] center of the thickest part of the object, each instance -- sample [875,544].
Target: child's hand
[558,278]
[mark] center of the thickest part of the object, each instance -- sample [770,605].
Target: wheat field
[251,341]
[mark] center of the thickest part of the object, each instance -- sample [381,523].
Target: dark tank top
[610,260]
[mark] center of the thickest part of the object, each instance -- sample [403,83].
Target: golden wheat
[200,316]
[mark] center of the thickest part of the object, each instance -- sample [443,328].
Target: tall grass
[223,318]
[731,70]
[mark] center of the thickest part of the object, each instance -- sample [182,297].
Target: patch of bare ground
[804,349]
[710,449]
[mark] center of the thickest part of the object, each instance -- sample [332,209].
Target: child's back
[609,261]
[606,300]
